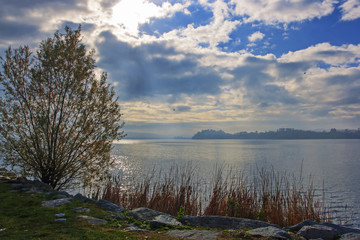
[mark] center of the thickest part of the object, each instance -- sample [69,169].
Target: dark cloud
[13,30]
[259,86]
[148,70]
[322,112]
[182,108]
[344,78]
[334,53]
[293,69]
[351,96]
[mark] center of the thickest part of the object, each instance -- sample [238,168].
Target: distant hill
[281,133]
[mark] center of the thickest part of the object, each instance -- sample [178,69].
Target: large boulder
[164,220]
[144,214]
[57,202]
[109,206]
[318,231]
[272,232]
[223,222]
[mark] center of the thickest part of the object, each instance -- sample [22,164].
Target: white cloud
[256,36]
[350,10]
[132,13]
[326,53]
[282,11]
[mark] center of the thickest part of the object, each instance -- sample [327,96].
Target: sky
[238,65]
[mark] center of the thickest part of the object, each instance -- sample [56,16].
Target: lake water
[334,164]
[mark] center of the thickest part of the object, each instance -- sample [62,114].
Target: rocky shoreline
[186,227]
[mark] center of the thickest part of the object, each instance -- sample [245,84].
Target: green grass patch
[23,217]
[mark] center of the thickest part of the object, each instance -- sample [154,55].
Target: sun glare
[131,13]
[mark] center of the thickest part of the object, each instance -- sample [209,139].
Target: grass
[23,217]
[278,198]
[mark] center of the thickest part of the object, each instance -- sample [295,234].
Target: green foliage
[58,119]
[181,212]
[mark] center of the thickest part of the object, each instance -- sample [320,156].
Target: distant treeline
[282,133]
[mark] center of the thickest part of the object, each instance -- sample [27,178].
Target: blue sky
[182,66]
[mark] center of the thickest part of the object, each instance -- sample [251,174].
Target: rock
[60,196]
[60,220]
[39,185]
[350,236]
[318,231]
[164,220]
[193,234]
[92,220]
[57,202]
[109,206]
[80,209]
[83,198]
[33,190]
[223,222]
[64,193]
[298,226]
[144,214]
[60,215]
[341,229]
[272,232]
[116,217]
[17,185]
[134,228]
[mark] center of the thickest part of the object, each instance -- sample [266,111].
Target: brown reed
[268,195]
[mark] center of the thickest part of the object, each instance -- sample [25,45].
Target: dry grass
[173,192]
[267,195]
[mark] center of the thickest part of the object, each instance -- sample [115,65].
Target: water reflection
[333,164]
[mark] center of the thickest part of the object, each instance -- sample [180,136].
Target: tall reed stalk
[268,195]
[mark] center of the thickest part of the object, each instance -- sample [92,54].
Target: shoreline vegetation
[281,133]
[267,195]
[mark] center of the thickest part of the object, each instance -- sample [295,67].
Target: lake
[334,164]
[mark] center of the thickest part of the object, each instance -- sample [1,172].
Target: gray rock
[92,220]
[318,231]
[134,228]
[350,236]
[116,217]
[64,193]
[270,232]
[109,206]
[40,185]
[298,226]
[80,209]
[60,215]
[34,190]
[83,198]
[223,222]
[341,229]
[144,214]
[60,196]
[57,202]
[60,220]
[193,234]
[17,185]
[164,220]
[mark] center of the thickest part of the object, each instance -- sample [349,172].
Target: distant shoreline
[280,134]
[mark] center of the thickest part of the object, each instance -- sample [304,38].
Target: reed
[173,192]
[267,195]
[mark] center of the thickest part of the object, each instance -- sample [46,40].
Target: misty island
[281,133]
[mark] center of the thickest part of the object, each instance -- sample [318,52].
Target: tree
[58,120]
